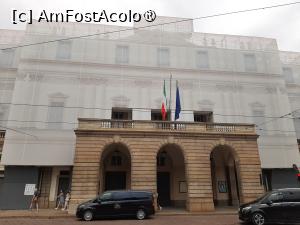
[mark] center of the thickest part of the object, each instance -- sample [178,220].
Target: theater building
[84,114]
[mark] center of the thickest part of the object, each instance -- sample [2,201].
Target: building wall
[91,81]
[143,150]
[12,191]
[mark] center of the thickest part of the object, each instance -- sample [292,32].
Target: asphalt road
[156,220]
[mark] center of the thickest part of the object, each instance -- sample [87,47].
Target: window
[250,62]
[161,158]
[206,117]
[107,196]
[55,115]
[156,115]
[7,57]
[259,119]
[202,60]
[116,160]
[140,195]
[163,57]
[161,161]
[292,196]
[276,197]
[122,54]
[121,196]
[288,74]
[121,114]
[64,49]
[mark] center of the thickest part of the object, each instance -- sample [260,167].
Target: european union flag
[178,106]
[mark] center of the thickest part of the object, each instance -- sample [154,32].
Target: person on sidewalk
[61,200]
[67,200]
[35,200]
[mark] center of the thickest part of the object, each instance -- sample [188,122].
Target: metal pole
[170,99]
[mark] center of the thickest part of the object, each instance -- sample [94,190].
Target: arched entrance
[115,172]
[224,175]
[171,177]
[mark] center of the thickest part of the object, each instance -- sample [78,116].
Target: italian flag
[164,103]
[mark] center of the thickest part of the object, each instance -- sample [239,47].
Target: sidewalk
[42,213]
[175,211]
[52,213]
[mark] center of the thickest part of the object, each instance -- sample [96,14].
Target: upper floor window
[202,61]
[163,57]
[55,114]
[156,115]
[250,62]
[7,57]
[121,114]
[206,117]
[122,54]
[259,119]
[64,49]
[288,74]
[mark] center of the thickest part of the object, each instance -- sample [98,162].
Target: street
[156,220]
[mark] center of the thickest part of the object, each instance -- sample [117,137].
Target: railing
[96,124]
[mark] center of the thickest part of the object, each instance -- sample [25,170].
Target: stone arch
[231,146]
[172,141]
[225,174]
[115,165]
[171,177]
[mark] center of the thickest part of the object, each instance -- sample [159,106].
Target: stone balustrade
[104,124]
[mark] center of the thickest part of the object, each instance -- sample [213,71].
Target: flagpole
[170,99]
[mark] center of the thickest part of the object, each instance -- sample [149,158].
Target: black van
[118,204]
[278,206]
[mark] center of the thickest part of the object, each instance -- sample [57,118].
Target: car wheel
[88,215]
[258,219]
[141,214]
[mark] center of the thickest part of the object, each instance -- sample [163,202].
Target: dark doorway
[63,184]
[115,180]
[163,188]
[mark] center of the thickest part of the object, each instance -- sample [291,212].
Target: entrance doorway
[64,181]
[163,188]
[115,181]
[224,175]
[115,168]
[171,178]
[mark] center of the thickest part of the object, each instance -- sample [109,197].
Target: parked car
[118,204]
[278,206]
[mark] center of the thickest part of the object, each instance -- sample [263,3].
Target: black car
[118,204]
[278,206]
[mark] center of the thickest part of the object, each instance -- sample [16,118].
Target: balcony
[165,126]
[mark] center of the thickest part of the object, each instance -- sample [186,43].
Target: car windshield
[262,197]
[106,196]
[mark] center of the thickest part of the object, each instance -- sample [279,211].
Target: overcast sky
[280,23]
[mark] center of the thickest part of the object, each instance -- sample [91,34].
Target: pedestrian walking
[67,200]
[60,199]
[35,200]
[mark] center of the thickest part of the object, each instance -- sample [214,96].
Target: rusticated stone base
[143,146]
[200,205]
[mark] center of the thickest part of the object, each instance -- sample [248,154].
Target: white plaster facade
[236,77]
